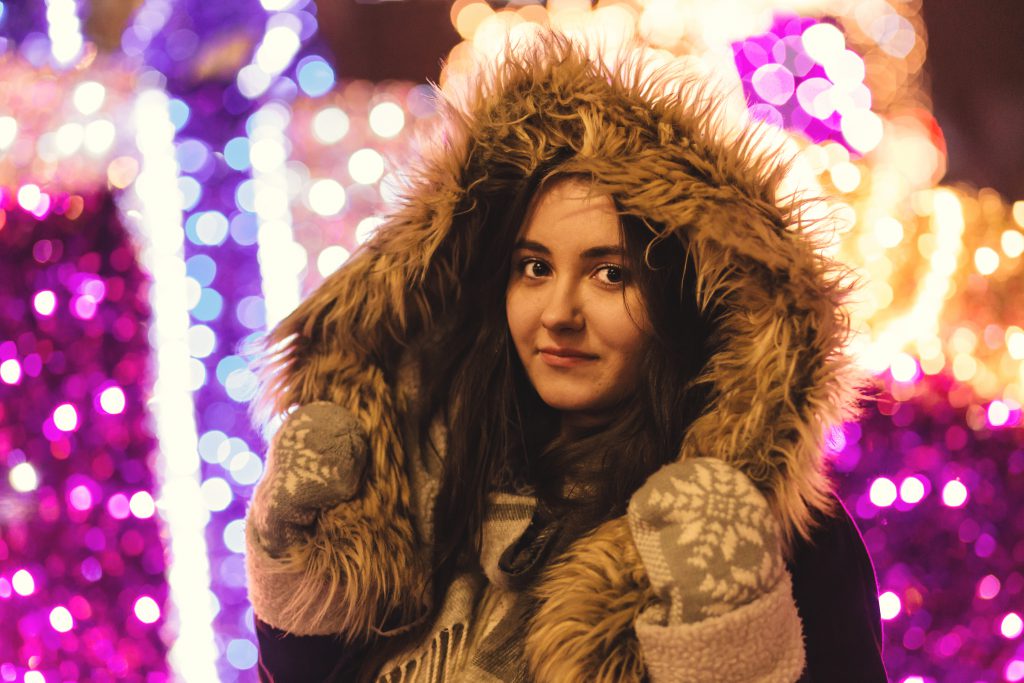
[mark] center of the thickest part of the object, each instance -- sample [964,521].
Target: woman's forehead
[570,212]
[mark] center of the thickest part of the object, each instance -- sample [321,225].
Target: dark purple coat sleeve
[287,658]
[836,594]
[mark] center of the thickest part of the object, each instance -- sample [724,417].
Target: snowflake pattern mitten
[706,537]
[315,462]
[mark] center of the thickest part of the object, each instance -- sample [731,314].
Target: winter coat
[779,380]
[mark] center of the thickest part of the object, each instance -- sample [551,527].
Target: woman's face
[575,315]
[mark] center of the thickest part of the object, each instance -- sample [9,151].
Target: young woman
[561,418]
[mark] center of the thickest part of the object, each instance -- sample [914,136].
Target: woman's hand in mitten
[315,462]
[707,538]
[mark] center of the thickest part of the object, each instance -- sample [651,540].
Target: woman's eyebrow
[593,252]
[531,245]
[602,251]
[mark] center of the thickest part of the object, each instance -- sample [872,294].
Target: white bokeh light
[23,478]
[366,166]
[1011,625]
[8,131]
[883,492]
[45,302]
[326,197]
[903,367]
[65,417]
[367,227]
[216,494]
[61,619]
[954,494]
[10,371]
[330,125]
[277,5]
[65,30]
[986,260]
[23,582]
[267,154]
[234,535]
[112,400]
[387,119]
[331,258]
[279,46]
[888,232]
[202,341]
[1012,243]
[890,605]
[29,196]
[99,136]
[863,129]
[912,490]
[998,413]
[88,97]
[823,42]
[69,138]
[146,610]
[142,505]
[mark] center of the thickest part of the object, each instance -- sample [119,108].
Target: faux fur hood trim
[778,378]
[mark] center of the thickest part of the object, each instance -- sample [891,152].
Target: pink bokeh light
[84,307]
[117,506]
[80,498]
[988,587]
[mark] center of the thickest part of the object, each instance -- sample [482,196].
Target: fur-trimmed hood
[778,377]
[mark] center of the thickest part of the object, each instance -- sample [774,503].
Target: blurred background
[176,175]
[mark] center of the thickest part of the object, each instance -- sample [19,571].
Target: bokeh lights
[800,75]
[1011,626]
[68,567]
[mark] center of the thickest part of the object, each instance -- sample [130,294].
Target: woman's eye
[532,268]
[613,275]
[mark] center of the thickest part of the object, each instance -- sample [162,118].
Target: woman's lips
[562,358]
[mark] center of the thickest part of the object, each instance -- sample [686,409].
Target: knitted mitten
[316,461]
[707,538]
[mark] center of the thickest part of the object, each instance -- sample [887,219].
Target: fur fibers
[778,377]
[589,600]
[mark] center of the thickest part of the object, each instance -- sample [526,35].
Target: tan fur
[589,600]
[778,381]
[337,580]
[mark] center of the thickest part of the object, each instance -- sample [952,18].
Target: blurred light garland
[158,214]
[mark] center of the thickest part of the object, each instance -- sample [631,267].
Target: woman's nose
[562,310]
